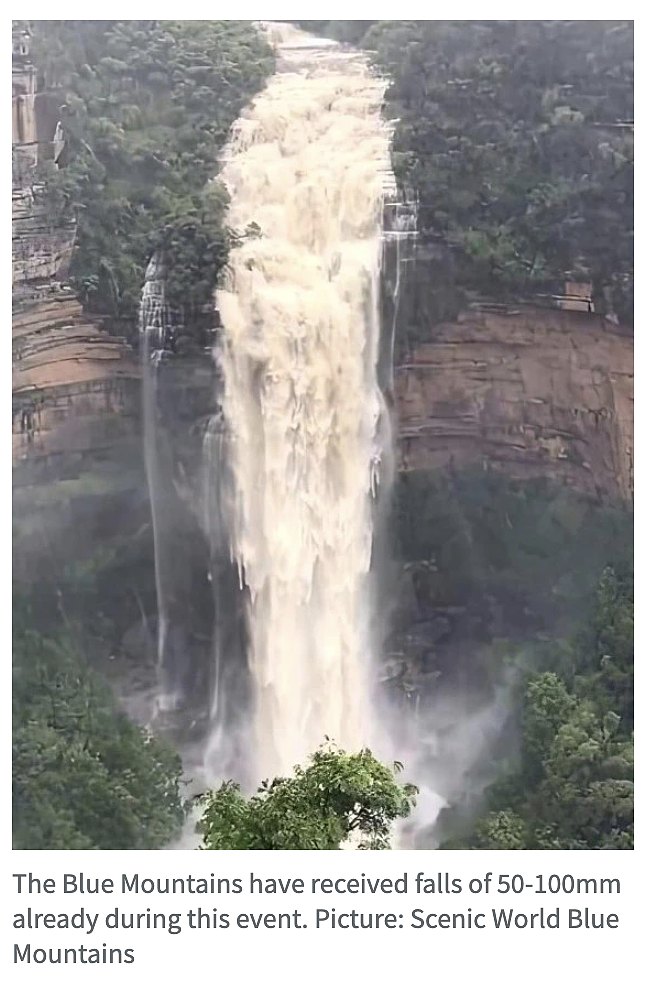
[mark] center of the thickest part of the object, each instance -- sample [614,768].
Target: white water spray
[155,322]
[307,170]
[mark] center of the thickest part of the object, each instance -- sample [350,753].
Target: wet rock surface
[534,393]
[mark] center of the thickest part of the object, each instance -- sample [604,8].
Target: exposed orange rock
[74,386]
[535,392]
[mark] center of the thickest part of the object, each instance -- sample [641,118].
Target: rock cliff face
[78,470]
[532,392]
[75,388]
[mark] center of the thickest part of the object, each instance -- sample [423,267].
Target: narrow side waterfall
[156,322]
[308,429]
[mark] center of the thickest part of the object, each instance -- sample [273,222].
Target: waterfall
[309,444]
[156,321]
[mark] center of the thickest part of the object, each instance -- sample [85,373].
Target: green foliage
[513,136]
[548,705]
[532,543]
[147,107]
[510,137]
[501,830]
[574,788]
[606,647]
[335,798]
[84,776]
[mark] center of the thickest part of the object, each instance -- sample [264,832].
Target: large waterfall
[307,170]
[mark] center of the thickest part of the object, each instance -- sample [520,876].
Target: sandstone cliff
[75,388]
[533,392]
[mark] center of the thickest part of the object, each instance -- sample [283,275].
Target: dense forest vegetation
[516,140]
[572,785]
[542,580]
[514,137]
[530,545]
[478,541]
[84,775]
[146,108]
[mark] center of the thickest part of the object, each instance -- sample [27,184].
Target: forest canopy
[146,107]
[572,786]
[515,138]
[84,775]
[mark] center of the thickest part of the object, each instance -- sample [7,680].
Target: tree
[146,108]
[606,647]
[335,799]
[516,137]
[84,775]
[516,140]
[501,830]
[574,788]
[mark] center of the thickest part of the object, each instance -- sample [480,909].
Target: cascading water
[297,462]
[307,426]
[156,323]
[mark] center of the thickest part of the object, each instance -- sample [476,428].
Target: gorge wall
[72,382]
[75,405]
[531,392]
[511,496]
